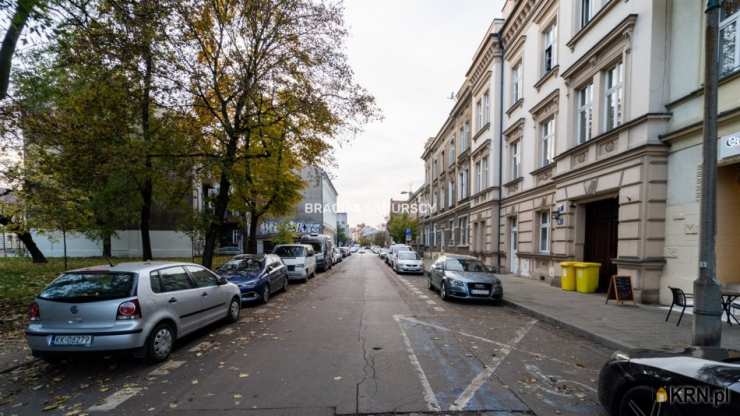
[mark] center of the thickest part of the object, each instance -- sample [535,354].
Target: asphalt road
[357,339]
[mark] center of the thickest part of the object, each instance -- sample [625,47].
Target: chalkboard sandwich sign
[620,289]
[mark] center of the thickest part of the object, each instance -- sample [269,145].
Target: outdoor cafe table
[729,294]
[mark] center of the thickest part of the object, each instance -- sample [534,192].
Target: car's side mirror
[221,281]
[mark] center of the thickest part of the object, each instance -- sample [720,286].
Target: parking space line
[431,302]
[429,396]
[165,368]
[115,399]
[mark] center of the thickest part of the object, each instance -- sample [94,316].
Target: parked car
[322,246]
[394,250]
[142,307]
[408,262]
[258,276]
[345,251]
[383,253]
[643,382]
[354,249]
[337,254]
[464,277]
[299,259]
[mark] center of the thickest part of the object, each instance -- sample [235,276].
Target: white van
[300,260]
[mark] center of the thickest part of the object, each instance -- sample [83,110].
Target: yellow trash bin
[568,275]
[587,276]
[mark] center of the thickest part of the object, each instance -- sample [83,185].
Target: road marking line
[165,368]
[203,346]
[439,309]
[462,401]
[431,302]
[424,297]
[429,396]
[115,399]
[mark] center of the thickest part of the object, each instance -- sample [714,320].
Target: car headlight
[458,283]
[251,283]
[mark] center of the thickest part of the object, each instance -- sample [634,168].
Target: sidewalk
[617,326]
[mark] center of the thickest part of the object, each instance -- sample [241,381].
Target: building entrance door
[600,245]
[514,241]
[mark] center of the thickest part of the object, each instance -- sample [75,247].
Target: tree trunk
[245,234]
[215,228]
[107,246]
[27,240]
[33,249]
[252,242]
[7,50]
[146,191]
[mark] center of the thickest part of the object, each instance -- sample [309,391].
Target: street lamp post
[707,328]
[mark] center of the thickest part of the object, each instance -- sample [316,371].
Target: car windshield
[465,265]
[89,287]
[408,255]
[290,251]
[316,247]
[243,265]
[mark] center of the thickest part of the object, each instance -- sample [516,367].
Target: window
[434,235]
[547,128]
[613,98]
[516,83]
[544,231]
[450,193]
[462,224]
[463,142]
[479,114]
[79,287]
[202,277]
[486,107]
[451,154]
[550,48]
[515,159]
[587,12]
[451,231]
[484,175]
[174,279]
[584,106]
[729,27]
[463,184]
[467,132]
[478,173]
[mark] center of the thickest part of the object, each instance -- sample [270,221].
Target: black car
[695,381]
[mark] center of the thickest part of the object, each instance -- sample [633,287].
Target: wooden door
[602,222]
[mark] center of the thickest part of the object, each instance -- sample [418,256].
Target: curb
[17,366]
[577,330]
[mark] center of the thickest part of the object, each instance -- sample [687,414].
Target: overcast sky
[410,54]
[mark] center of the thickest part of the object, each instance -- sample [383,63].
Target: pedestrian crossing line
[439,309]
[115,399]
[165,368]
[431,302]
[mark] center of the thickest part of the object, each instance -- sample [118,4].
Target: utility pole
[707,330]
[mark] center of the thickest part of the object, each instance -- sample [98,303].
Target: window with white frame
[434,235]
[729,43]
[479,114]
[515,159]
[451,153]
[587,10]
[478,174]
[584,112]
[484,175]
[451,231]
[613,96]
[550,47]
[467,132]
[461,185]
[486,107]
[463,141]
[544,238]
[462,225]
[516,83]
[450,193]
[547,133]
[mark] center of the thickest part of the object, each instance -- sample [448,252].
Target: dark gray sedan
[464,277]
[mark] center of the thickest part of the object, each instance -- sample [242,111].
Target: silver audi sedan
[142,307]
[464,277]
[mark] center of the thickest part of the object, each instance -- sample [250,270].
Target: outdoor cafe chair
[679,299]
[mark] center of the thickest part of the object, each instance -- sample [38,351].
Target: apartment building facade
[684,137]
[461,183]
[585,169]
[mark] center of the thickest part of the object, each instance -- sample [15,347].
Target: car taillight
[129,310]
[34,313]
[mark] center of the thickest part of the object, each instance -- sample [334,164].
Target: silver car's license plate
[479,292]
[70,340]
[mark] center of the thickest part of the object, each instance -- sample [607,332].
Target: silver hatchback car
[143,307]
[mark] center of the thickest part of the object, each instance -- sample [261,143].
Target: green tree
[250,64]
[285,234]
[398,224]
[342,237]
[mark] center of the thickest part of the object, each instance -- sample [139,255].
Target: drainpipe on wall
[500,149]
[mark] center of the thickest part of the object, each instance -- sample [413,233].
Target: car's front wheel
[234,309]
[443,291]
[266,294]
[160,342]
[640,400]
